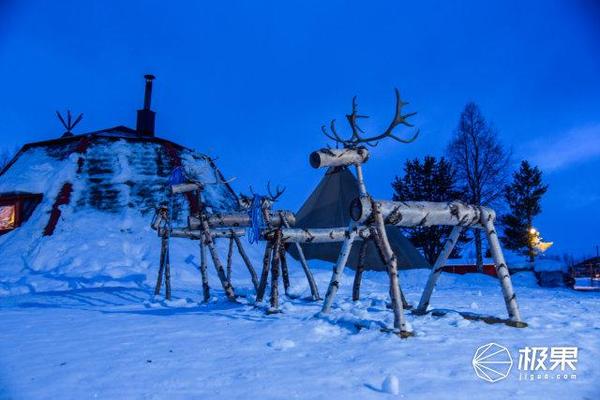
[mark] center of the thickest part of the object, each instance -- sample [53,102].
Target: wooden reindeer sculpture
[354,152]
[371,216]
[208,227]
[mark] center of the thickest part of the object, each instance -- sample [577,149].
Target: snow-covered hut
[75,210]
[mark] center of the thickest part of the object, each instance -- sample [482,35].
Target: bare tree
[481,163]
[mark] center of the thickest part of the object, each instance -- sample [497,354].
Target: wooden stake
[359,270]
[208,241]
[314,291]
[247,262]
[284,270]
[262,286]
[161,268]
[167,274]
[437,268]
[379,246]
[203,272]
[510,298]
[229,259]
[334,284]
[275,273]
[392,264]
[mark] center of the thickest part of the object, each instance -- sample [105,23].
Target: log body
[198,234]
[421,213]
[320,235]
[338,157]
[241,219]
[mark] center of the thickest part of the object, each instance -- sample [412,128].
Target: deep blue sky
[252,82]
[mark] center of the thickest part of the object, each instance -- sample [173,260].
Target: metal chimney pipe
[148,91]
[145,116]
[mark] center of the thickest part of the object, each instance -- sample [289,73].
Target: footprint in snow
[281,344]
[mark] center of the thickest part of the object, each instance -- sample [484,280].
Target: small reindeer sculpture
[207,227]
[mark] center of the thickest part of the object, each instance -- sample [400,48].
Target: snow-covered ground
[119,342]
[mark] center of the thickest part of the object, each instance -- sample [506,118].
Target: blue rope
[257,222]
[177,176]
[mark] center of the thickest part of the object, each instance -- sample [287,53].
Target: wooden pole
[229,259]
[437,268]
[167,273]
[392,264]
[334,284]
[262,286]
[208,241]
[359,270]
[203,272]
[285,274]
[314,291]
[247,262]
[379,246]
[510,298]
[161,268]
[275,274]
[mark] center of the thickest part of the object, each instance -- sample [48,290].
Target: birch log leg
[275,274]
[405,304]
[229,258]
[167,274]
[392,264]
[262,286]
[437,268]
[379,246]
[247,261]
[338,270]
[314,291]
[285,274]
[161,268]
[208,240]
[510,298]
[359,270]
[203,272]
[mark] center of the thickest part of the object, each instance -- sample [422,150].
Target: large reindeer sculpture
[371,216]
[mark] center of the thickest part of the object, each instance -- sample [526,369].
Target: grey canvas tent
[329,206]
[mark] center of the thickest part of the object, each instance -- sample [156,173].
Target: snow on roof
[115,180]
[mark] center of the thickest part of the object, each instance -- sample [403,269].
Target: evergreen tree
[523,196]
[427,180]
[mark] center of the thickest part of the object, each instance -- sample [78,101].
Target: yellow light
[532,231]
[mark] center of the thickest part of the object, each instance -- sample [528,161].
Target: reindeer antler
[273,197]
[357,138]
